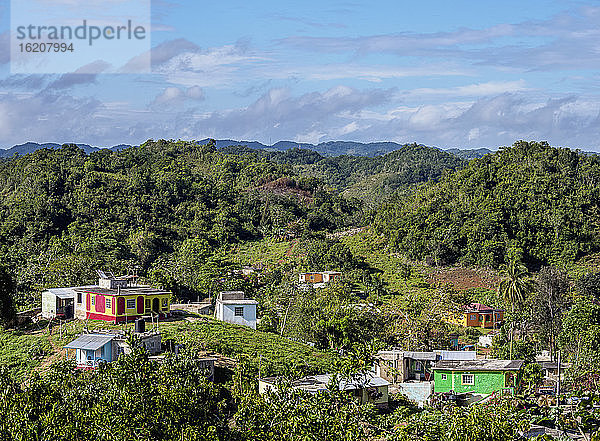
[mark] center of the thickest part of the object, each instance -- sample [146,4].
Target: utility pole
[558,380]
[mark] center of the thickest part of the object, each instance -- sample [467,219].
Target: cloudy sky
[460,74]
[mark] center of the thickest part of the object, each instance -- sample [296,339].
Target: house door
[156,305]
[121,306]
[140,304]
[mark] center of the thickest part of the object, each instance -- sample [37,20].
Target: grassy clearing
[267,252]
[21,353]
[277,355]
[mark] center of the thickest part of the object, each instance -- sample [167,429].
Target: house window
[108,303]
[130,303]
[444,377]
[78,297]
[312,277]
[93,300]
[468,379]
[148,304]
[239,311]
[165,302]
[473,317]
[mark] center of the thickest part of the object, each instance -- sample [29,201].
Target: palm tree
[514,287]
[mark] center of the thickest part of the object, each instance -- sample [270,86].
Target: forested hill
[64,213]
[370,179]
[540,202]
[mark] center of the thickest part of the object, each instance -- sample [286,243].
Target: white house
[234,307]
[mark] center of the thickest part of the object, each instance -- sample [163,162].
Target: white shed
[58,301]
[234,307]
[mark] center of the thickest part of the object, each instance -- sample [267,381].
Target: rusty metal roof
[479,365]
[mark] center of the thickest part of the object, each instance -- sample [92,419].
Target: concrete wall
[80,308]
[226,313]
[48,305]
[417,392]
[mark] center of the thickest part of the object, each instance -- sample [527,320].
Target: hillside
[532,200]
[22,352]
[161,206]
[370,179]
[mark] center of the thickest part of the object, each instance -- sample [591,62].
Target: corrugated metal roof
[479,365]
[238,302]
[67,292]
[62,293]
[317,383]
[458,355]
[90,342]
[421,356]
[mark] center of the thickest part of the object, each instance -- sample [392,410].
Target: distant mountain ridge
[337,148]
[30,147]
[329,148]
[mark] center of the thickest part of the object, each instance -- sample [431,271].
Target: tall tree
[8,287]
[549,303]
[514,287]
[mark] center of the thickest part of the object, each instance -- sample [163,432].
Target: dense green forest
[537,202]
[64,213]
[161,205]
[371,179]
[522,222]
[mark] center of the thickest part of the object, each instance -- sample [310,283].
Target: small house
[411,373]
[477,315]
[319,279]
[366,388]
[91,350]
[234,307]
[95,348]
[58,302]
[551,373]
[482,377]
[118,299]
[397,366]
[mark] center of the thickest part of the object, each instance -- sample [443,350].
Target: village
[463,375]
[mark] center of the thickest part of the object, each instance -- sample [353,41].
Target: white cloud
[478,89]
[177,96]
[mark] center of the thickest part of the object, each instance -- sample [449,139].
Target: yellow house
[118,300]
[477,315]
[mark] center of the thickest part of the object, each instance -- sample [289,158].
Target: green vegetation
[371,179]
[273,354]
[21,351]
[531,200]
[521,226]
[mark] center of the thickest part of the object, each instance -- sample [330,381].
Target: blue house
[92,349]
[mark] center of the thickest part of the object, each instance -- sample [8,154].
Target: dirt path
[57,354]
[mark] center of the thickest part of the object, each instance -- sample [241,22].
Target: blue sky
[451,74]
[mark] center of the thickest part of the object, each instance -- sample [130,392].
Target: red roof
[479,307]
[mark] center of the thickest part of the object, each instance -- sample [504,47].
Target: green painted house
[476,376]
